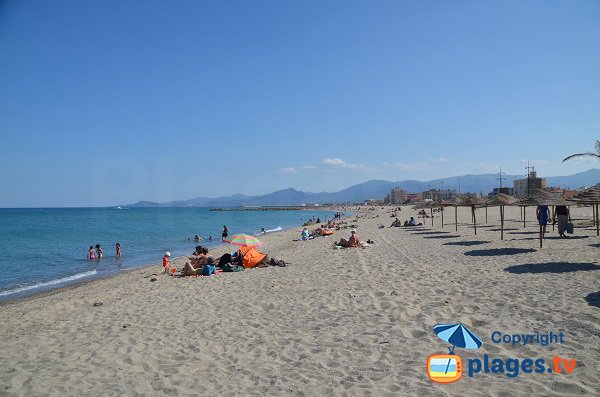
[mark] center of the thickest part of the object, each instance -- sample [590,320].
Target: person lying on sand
[353,241]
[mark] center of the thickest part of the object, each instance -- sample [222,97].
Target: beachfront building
[522,187]
[562,193]
[396,196]
[412,197]
[504,190]
[439,195]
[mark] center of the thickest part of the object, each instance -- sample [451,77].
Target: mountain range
[375,189]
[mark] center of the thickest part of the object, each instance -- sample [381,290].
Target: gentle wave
[52,282]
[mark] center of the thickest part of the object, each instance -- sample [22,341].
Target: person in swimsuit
[91,253]
[118,250]
[99,252]
[225,232]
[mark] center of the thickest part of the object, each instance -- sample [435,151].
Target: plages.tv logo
[448,368]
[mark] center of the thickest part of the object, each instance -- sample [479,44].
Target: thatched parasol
[590,196]
[451,203]
[540,197]
[501,200]
[427,205]
[472,201]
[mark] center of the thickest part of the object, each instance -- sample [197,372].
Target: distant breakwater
[291,208]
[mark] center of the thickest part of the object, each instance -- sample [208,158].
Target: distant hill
[374,189]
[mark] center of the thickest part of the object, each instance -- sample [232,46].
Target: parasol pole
[456,218]
[442,211]
[541,234]
[521,213]
[486,214]
[597,221]
[553,216]
[501,222]
[474,219]
[524,208]
[431,216]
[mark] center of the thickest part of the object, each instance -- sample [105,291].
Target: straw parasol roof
[470,201]
[588,196]
[501,199]
[540,197]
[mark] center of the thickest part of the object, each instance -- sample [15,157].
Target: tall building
[396,196]
[439,195]
[522,187]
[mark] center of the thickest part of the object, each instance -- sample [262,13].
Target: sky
[111,102]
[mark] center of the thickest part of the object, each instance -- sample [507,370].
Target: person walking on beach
[118,250]
[91,253]
[564,216]
[99,252]
[225,232]
[543,214]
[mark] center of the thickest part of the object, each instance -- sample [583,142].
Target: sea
[46,248]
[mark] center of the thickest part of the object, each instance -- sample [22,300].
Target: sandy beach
[333,322]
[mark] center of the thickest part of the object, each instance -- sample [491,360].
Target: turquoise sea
[46,248]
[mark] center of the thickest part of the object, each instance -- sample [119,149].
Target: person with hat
[165,263]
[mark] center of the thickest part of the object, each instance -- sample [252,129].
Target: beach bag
[569,228]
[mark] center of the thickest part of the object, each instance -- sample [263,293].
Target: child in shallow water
[91,253]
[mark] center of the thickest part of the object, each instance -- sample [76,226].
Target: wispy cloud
[416,166]
[337,162]
[309,167]
[288,170]
[440,160]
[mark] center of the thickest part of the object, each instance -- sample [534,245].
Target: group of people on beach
[200,263]
[411,222]
[562,216]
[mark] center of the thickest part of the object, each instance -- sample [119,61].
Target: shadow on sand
[466,243]
[593,299]
[499,251]
[552,267]
[432,232]
[565,238]
[505,229]
[444,236]
[595,245]
[532,232]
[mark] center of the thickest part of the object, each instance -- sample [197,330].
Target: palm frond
[586,154]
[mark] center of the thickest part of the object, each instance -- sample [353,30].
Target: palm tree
[596,155]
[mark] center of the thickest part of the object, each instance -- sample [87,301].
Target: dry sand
[333,322]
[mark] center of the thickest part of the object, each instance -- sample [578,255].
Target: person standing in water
[99,252]
[118,250]
[91,253]
[225,232]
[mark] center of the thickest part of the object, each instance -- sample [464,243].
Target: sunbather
[353,241]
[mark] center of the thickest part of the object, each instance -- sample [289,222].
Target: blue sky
[108,102]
